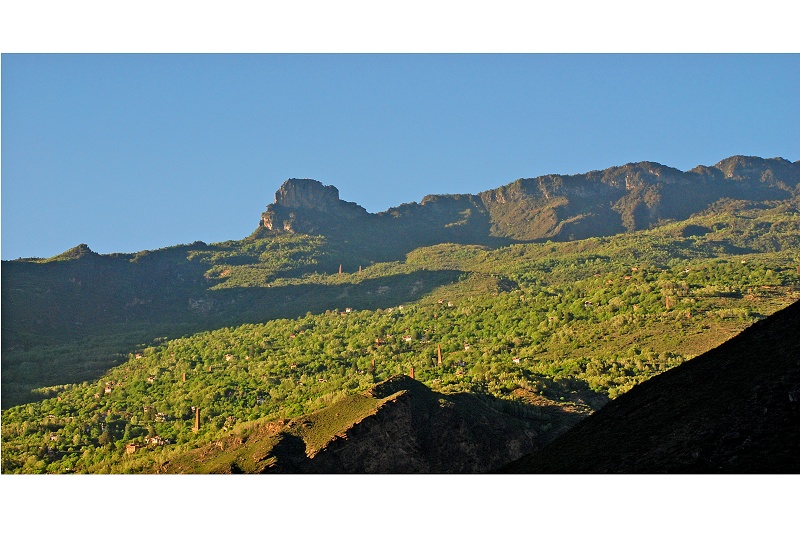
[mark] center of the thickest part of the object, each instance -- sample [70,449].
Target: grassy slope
[251,447]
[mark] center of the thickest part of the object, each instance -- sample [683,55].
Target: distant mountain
[598,203]
[734,409]
[398,426]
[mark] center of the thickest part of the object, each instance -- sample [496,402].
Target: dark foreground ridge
[734,409]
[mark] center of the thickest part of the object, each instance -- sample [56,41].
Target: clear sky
[132,152]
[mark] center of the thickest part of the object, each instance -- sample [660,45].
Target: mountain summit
[308,206]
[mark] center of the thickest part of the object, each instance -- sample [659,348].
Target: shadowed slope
[734,409]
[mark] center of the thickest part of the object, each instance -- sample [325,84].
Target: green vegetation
[569,324]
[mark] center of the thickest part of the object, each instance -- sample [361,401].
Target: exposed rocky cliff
[308,206]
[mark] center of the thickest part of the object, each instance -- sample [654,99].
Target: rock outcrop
[308,206]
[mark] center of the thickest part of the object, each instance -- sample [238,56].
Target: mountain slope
[89,309]
[735,409]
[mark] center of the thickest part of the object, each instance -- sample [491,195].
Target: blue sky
[132,152]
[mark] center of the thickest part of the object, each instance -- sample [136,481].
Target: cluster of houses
[133,447]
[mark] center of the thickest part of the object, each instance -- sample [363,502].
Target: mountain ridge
[598,203]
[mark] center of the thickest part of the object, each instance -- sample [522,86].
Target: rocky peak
[307,194]
[308,206]
[78,252]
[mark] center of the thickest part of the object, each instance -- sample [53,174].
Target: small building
[132,447]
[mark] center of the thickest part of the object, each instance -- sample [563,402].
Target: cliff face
[598,203]
[308,206]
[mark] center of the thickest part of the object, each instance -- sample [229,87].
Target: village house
[132,447]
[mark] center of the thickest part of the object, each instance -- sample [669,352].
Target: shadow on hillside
[85,352]
[227,307]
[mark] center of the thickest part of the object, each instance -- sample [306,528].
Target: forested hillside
[103,354]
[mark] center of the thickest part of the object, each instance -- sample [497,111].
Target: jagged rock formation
[307,206]
[398,426]
[734,409]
